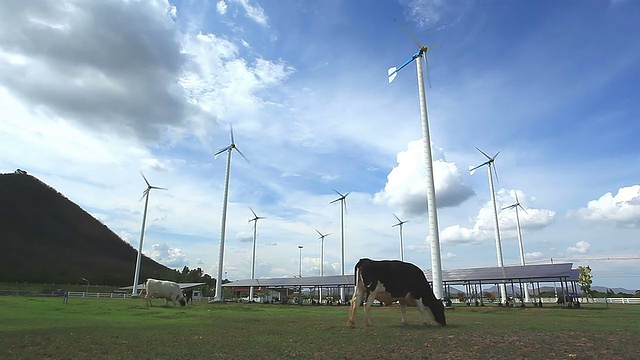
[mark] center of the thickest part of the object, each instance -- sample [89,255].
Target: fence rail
[112,295]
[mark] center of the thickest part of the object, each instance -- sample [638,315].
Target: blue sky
[95,92]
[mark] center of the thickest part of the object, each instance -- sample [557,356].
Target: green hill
[46,238]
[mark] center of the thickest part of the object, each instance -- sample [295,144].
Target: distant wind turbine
[436,262]
[229,149]
[145,194]
[253,257]
[522,262]
[399,224]
[489,163]
[322,236]
[343,208]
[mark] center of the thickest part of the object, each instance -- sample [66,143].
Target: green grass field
[45,328]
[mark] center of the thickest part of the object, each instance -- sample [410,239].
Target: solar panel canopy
[526,273]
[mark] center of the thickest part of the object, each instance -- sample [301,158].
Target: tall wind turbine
[399,224]
[145,194]
[343,208]
[253,257]
[436,262]
[322,236]
[516,206]
[489,163]
[229,149]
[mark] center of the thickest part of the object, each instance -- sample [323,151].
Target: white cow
[168,290]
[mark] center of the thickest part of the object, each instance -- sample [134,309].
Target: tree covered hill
[45,237]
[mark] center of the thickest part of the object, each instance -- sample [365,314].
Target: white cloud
[406,188]
[581,247]
[254,12]
[74,67]
[536,255]
[221,7]
[623,209]
[483,228]
[165,255]
[435,13]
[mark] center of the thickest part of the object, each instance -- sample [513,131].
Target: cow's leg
[148,300]
[355,302]
[425,317]
[367,307]
[403,311]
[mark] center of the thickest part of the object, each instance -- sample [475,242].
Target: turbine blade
[145,179]
[241,154]
[410,34]
[215,156]
[485,154]
[509,207]
[344,203]
[392,73]
[254,213]
[523,209]
[516,194]
[231,130]
[495,170]
[144,193]
[156,187]
[339,193]
[397,218]
[319,233]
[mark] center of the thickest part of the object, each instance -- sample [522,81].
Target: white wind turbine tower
[322,236]
[436,262]
[343,208]
[399,224]
[229,149]
[253,257]
[145,194]
[489,163]
[516,206]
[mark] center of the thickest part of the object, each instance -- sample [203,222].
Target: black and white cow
[393,280]
[168,290]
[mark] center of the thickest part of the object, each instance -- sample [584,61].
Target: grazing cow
[167,290]
[393,280]
[188,296]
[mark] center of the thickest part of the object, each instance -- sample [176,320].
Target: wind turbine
[343,208]
[253,257]
[145,194]
[436,263]
[322,236]
[400,222]
[229,149]
[489,163]
[516,206]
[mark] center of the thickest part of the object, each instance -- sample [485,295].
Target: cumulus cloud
[536,255]
[483,228]
[435,13]
[132,73]
[165,255]
[406,187]
[254,12]
[118,72]
[221,7]
[581,247]
[244,236]
[623,209]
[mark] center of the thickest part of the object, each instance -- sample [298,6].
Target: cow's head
[183,302]
[437,309]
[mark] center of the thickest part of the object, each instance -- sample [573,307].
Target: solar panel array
[526,273]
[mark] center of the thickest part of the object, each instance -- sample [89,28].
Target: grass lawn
[45,328]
